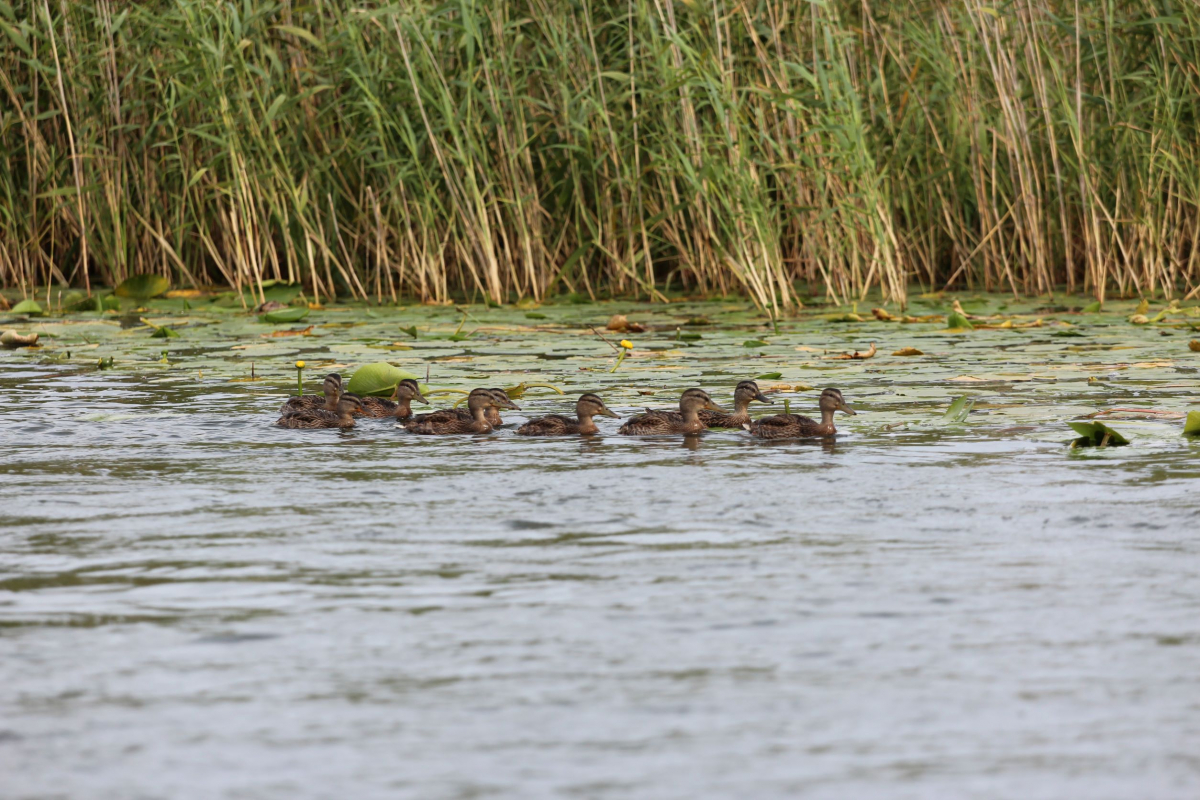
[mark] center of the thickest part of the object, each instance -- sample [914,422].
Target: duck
[454,420]
[588,406]
[399,406]
[685,421]
[332,388]
[347,406]
[794,426]
[743,395]
[492,414]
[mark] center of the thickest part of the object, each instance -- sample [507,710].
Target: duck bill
[847,409]
[421,397]
[512,405]
[762,398]
[711,406]
[608,413]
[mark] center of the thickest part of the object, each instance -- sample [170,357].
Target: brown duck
[794,426]
[347,406]
[686,420]
[332,388]
[493,412]
[399,406]
[588,406]
[453,420]
[746,392]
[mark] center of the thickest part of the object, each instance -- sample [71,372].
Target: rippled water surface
[197,604]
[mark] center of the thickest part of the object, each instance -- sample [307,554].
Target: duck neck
[480,415]
[741,407]
[587,424]
[827,428]
[403,408]
[331,401]
[345,418]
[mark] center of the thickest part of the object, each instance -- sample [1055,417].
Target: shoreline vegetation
[522,150]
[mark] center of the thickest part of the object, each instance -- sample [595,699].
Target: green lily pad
[958,410]
[378,379]
[535,315]
[29,307]
[769,376]
[754,343]
[1191,426]
[1096,434]
[85,304]
[111,303]
[284,315]
[957,320]
[142,287]
[1093,308]
[164,333]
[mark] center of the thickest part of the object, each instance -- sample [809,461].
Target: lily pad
[957,320]
[1191,426]
[28,307]
[285,315]
[142,287]
[164,333]
[754,343]
[86,304]
[111,303]
[958,410]
[1096,434]
[769,376]
[378,379]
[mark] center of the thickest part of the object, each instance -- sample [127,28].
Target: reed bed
[520,149]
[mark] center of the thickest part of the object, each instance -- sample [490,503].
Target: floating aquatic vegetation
[378,379]
[142,287]
[285,315]
[12,340]
[1096,434]
[1191,426]
[29,308]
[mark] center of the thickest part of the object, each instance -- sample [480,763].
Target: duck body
[311,418]
[746,392]
[456,421]
[328,400]
[588,406]
[399,406]
[795,426]
[686,421]
[492,414]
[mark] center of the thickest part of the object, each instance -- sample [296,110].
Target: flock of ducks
[335,408]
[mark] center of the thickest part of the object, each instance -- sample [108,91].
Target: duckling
[686,420]
[493,413]
[400,406]
[792,426]
[588,406]
[332,388]
[451,420]
[746,392]
[347,406]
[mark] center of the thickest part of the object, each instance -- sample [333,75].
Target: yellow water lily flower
[299,365]
[628,345]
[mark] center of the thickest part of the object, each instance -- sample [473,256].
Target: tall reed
[633,147]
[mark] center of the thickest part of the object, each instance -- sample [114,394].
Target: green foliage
[378,379]
[142,287]
[602,148]
[1191,426]
[28,307]
[285,315]
[1096,434]
[958,411]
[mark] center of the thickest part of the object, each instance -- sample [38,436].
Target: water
[196,604]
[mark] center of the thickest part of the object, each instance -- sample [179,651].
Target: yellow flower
[628,345]
[299,365]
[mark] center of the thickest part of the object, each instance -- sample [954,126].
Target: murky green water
[196,604]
